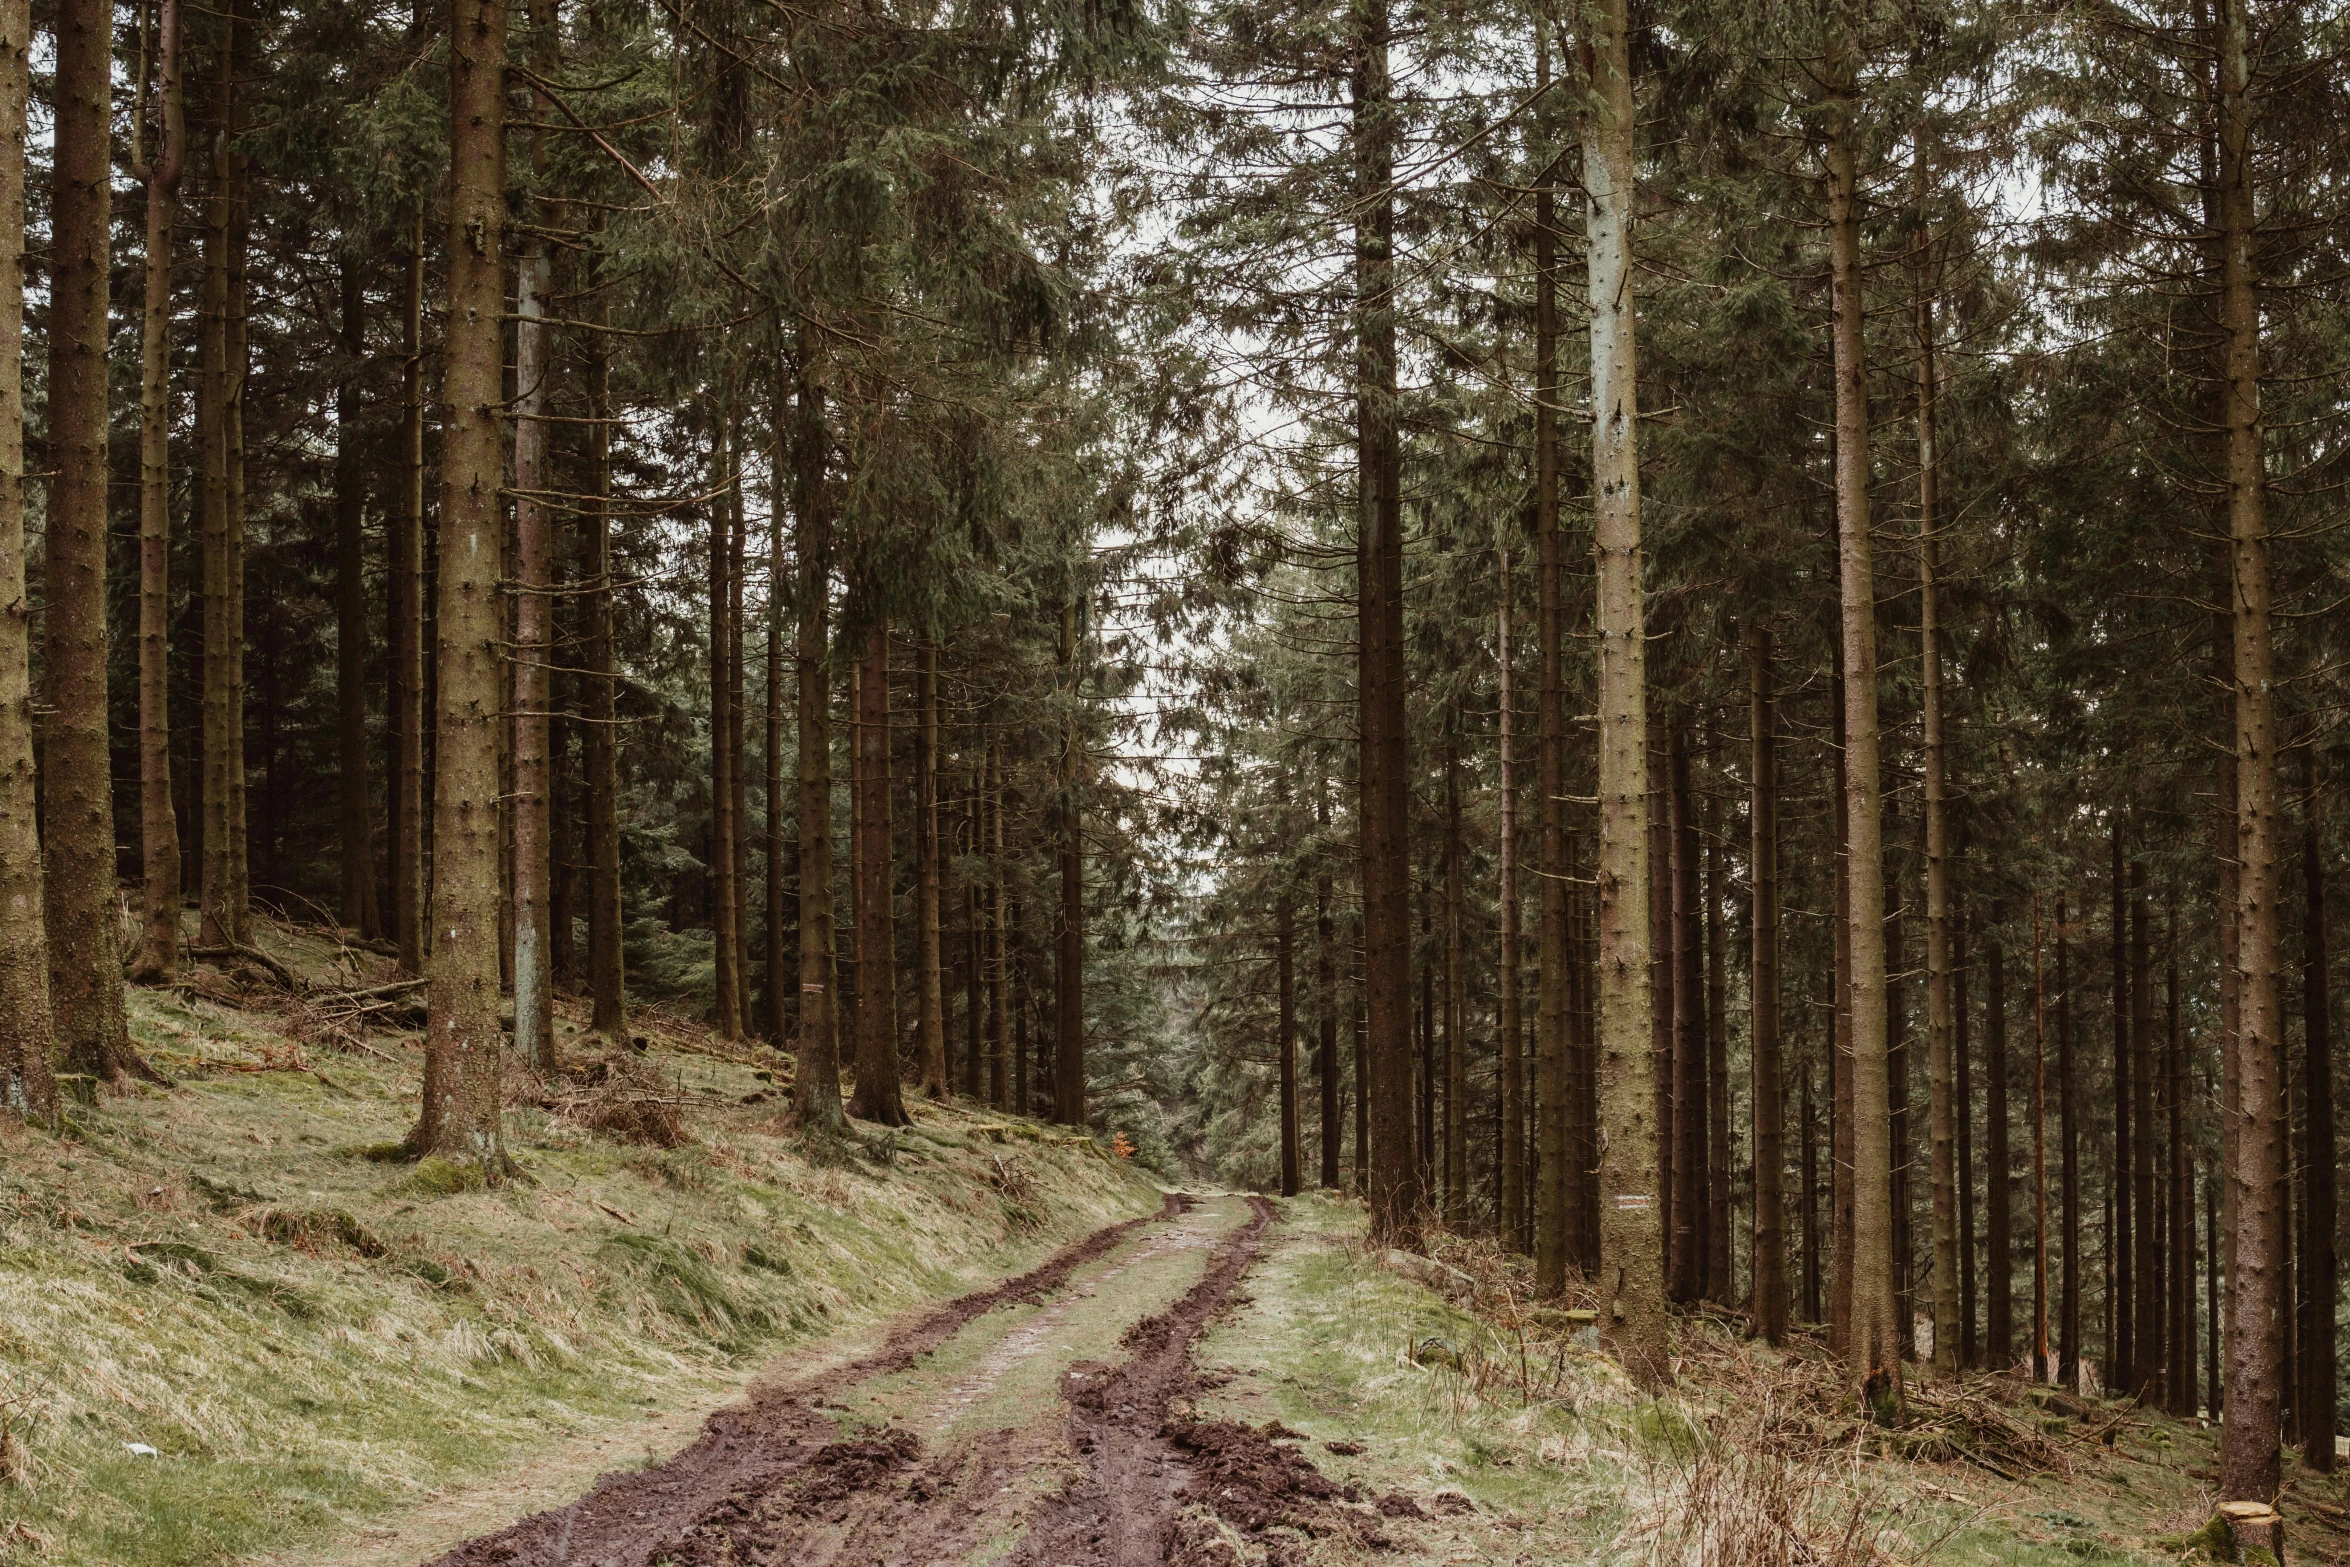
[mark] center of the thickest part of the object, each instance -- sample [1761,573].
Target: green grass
[1331,1344]
[309,1337]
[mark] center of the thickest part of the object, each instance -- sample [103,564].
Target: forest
[1686,655]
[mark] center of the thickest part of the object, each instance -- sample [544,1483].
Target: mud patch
[1162,1486]
[772,1473]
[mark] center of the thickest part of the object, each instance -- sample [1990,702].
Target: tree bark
[534,563]
[2183,1391]
[2318,1267]
[1719,1285]
[157,959]
[1456,1004]
[999,942]
[2122,1376]
[1556,1202]
[77,795]
[1769,1311]
[1686,1247]
[28,1083]
[724,937]
[877,1096]
[930,976]
[607,969]
[2039,1152]
[1873,1349]
[2256,1297]
[1384,776]
[782,978]
[461,1115]
[241,67]
[408,719]
[1942,1110]
[1326,1067]
[2069,1129]
[1998,1177]
[1069,926]
[1285,1026]
[1963,1061]
[2146,1307]
[1511,1219]
[1631,1241]
[361,908]
[816,1085]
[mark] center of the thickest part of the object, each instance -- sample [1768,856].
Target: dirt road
[1045,1422]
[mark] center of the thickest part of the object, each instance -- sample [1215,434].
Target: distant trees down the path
[1701,637]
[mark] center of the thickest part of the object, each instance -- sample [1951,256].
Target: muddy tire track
[777,1446]
[1162,1486]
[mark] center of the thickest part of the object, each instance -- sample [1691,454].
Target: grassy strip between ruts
[306,1337]
[1518,1450]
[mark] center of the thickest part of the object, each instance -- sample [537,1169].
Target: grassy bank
[307,1336]
[1521,1443]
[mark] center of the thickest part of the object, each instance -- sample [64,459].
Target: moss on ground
[307,1337]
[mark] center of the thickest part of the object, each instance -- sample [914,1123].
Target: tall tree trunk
[534,563]
[1942,1110]
[738,808]
[1362,1049]
[461,1115]
[1384,771]
[877,1096]
[1456,1003]
[816,1087]
[1661,1018]
[1963,1061]
[240,68]
[2183,1391]
[930,976]
[2146,1306]
[1686,1246]
[1998,1171]
[1556,1202]
[2318,1269]
[159,840]
[77,795]
[2256,1299]
[999,944]
[1285,1026]
[1812,1303]
[1840,1056]
[1769,1106]
[1069,925]
[724,942]
[1326,1068]
[2069,1130]
[1719,1285]
[1512,1218]
[1897,1057]
[1631,1241]
[214,375]
[28,1084]
[2039,1152]
[1873,1349]
[781,984]
[408,719]
[2122,1375]
[360,907]
[607,969]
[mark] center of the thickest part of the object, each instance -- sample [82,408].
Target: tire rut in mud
[774,1466]
[1159,1480]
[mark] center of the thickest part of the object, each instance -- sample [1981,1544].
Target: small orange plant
[1120,1146]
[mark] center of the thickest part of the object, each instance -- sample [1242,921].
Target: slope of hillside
[228,1322]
